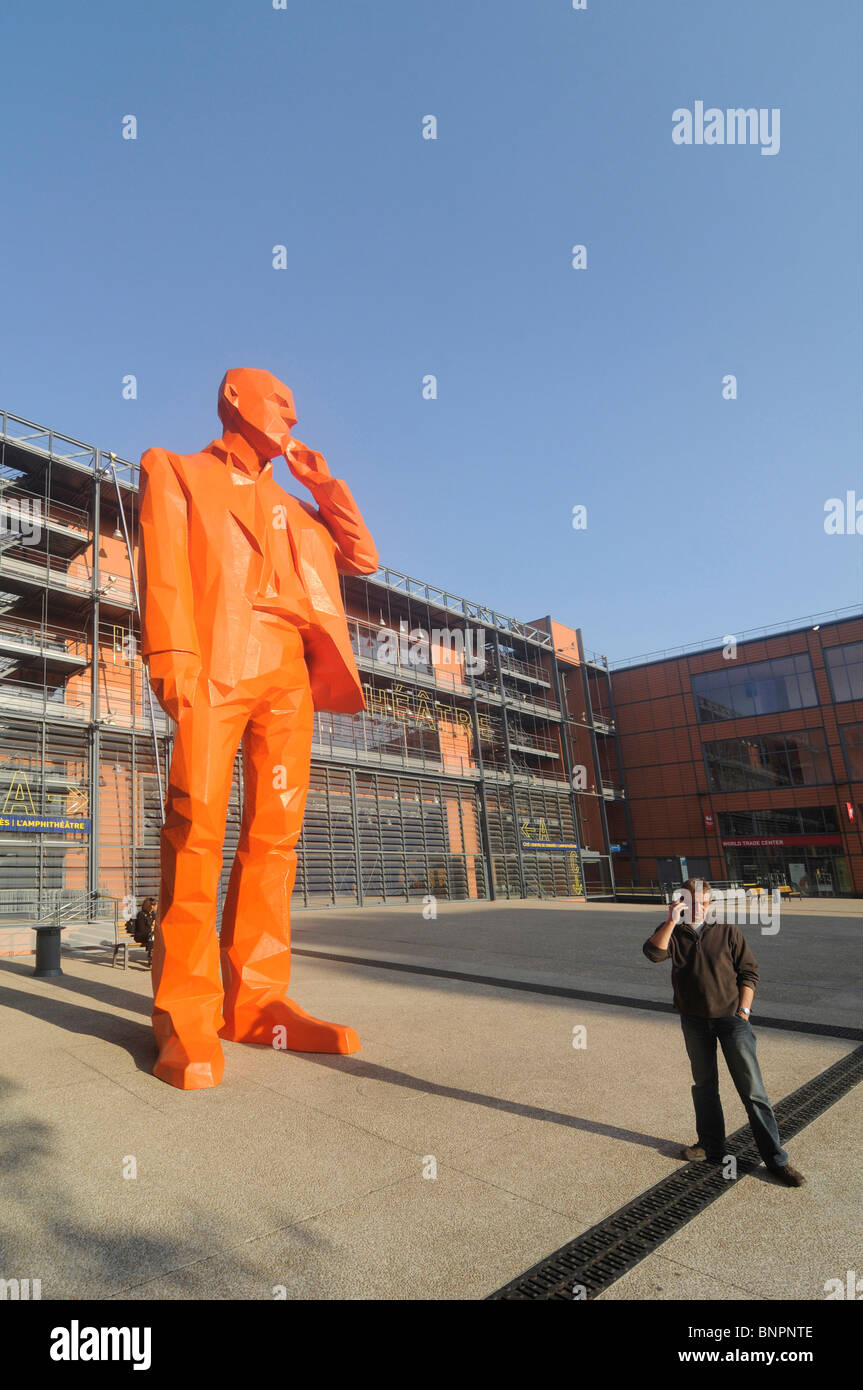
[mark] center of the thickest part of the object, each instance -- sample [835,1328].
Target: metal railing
[52,513]
[56,906]
[63,448]
[543,743]
[116,586]
[594,659]
[538,699]
[527,669]
[42,637]
[367,647]
[749,635]
[40,566]
[454,603]
[51,699]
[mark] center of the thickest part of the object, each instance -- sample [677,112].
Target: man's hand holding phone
[676,910]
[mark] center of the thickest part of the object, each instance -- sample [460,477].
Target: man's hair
[692,885]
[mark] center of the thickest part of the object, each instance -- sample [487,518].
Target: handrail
[454,603]
[36,437]
[56,566]
[528,669]
[748,635]
[69,909]
[32,633]
[76,518]
[42,695]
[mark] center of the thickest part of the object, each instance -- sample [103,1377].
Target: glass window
[761,761]
[845,670]
[761,687]
[852,743]
[797,820]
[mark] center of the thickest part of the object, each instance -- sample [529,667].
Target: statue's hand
[173,676]
[307,465]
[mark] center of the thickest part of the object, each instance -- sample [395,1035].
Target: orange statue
[244,633]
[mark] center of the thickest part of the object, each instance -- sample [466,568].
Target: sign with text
[47,825]
[548,844]
[758,841]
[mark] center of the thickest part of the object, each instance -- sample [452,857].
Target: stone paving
[466,1141]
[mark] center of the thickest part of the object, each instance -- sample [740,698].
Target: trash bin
[48,952]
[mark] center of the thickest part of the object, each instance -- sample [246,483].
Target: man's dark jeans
[737,1041]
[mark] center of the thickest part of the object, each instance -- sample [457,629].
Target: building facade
[484,766]
[744,763]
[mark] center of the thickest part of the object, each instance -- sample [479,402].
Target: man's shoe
[694,1153]
[785,1173]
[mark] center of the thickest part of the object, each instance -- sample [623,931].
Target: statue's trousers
[270,713]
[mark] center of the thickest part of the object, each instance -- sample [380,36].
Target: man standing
[244,633]
[714,975]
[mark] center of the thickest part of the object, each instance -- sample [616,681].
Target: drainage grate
[605,1252]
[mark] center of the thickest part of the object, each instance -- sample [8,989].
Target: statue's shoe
[190,1068]
[284,1026]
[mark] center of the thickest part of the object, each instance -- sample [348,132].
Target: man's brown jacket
[707,968]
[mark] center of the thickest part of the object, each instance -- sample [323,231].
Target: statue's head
[255,404]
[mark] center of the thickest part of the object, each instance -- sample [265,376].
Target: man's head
[256,405]
[697,895]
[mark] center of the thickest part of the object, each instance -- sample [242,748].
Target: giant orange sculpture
[244,633]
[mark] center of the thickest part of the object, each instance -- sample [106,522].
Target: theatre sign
[19,812]
[50,825]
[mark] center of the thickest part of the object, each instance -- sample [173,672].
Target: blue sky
[407,256]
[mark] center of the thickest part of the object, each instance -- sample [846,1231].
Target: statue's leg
[187,988]
[256,925]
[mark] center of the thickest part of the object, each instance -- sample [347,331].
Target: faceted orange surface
[245,636]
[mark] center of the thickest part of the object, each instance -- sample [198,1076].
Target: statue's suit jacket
[202,567]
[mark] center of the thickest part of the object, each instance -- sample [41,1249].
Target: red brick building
[746,763]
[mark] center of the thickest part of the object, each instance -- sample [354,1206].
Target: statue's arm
[164,567]
[356,552]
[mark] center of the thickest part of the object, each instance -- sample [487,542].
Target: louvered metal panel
[413,837]
[545,815]
[21,791]
[43,772]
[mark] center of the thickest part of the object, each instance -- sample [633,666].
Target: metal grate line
[601,1255]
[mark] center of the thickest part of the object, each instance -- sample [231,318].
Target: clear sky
[556,387]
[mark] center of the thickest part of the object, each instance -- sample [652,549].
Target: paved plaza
[467,1140]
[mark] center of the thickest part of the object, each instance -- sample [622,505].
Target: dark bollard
[47,952]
